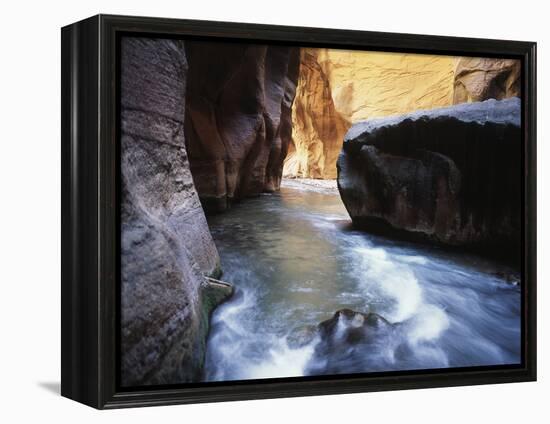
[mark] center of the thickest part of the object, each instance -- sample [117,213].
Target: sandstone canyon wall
[478,79]
[339,87]
[167,251]
[448,175]
[238,118]
[204,123]
[317,126]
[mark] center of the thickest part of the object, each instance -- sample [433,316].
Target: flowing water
[295,261]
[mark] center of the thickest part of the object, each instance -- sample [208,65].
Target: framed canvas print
[254,211]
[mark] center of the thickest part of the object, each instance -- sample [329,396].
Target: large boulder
[352,341]
[166,247]
[478,79]
[450,175]
[238,119]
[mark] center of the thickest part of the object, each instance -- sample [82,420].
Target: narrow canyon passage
[294,261]
[423,145]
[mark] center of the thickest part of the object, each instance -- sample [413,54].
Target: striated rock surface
[449,175]
[339,87]
[366,85]
[318,128]
[166,247]
[478,79]
[238,118]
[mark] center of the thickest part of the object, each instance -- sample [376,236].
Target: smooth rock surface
[449,175]
[166,247]
[238,118]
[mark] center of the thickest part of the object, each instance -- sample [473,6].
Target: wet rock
[351,327]
[449,175]
[478,79]
[509,277]
[351,341]
[214,292]
[238,118]
[166,247]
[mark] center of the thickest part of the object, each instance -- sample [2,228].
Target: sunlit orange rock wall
[339,87]
[318,127]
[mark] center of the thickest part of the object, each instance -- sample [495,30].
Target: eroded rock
[478,79]
[450,175]
[351,341]
[166,247]
[339,87]
[352,327]
[238,119]
[318,128]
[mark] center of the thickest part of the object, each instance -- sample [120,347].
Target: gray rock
[351,327]
[166,247]
[493,111]
[302,336]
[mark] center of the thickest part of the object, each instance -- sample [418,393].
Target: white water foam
[282,361]
[428,324]
[394,278]
[234,340]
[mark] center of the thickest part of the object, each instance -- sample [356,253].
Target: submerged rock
[351,327]
[238,118]
[508,276]
[166,247]
[351,341]
[449,175]
[302,336]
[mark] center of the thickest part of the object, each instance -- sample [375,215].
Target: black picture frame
[90,198]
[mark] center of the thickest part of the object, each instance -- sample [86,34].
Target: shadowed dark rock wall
[166,247]
[238,118]
[449,175]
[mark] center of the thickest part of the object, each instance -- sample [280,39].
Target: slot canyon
[215,138]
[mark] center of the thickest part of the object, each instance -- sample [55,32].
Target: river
[294,261]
